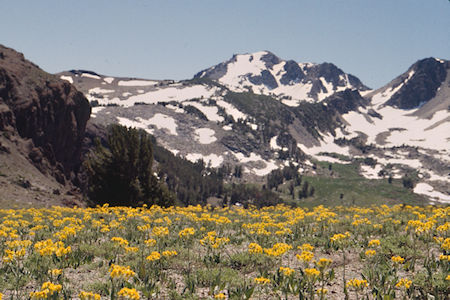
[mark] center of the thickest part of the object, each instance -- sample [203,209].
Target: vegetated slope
[233,114]
[42,125]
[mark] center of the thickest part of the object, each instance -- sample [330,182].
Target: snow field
[205,135]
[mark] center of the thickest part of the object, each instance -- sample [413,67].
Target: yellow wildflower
[121,272]
[321,292]
[169,253]
[88,296]
[150,242]
[186,233]
[358,284]
[262,280]
[287,271]
[403,282]
[129,293]
[154,256]
[55,272]
[397,259]
[373,243]
[324,262]
[217,296]
[254,248]
[312,273]
[306,247]
[370,253]
[305,256]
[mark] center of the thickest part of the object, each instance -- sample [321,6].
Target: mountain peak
[291,82]
[417,86]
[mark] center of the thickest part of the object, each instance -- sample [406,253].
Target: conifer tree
[121,172]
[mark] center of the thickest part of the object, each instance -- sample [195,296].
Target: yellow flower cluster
[287,271]
[150,242]
[47,289]
[306,247]
[211,240]
[338,237]
[420,226]
[160,231]
[217,296]
[374,243]
[121,241]
[128,293]
[397,259]
[254,248]
[88,296]
[312,273]
[47,248]
[187,232]
[446,244]
[121,272]
[169,253]
[305,256]
[357,284]
[11,255]
[443,257]
[278,249]
[55,272]
[370,253]
[403,283]
[323,263]
[68,231]
[155,255]
[321,292]
[262,280]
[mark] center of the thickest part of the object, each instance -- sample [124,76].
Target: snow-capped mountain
[264,73]
[261,112]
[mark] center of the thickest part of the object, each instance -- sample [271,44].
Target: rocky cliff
[41,117]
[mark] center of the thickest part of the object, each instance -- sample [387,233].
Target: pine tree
[121,173]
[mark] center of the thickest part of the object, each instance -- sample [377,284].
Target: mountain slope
[233,114]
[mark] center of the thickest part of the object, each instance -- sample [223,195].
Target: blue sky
[374,40]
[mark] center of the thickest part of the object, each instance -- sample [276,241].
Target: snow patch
[109,80]
[211,112]
[371,172]
[136,83]
[98,90]
[168,94]
[273,143]
[426,189]
[67,78]
[160,121]
[95,110]
[90,76]
[212,159]
[231,110]
[205,135]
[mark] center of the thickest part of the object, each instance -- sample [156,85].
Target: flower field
[381,252]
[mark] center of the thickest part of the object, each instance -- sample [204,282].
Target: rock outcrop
[46,112]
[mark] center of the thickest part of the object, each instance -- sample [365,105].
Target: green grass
[356,189]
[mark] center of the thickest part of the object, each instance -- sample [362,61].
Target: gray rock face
[266,78]
[270,59]
[428,76]
[294,73]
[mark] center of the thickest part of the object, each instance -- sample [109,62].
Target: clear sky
[374,40]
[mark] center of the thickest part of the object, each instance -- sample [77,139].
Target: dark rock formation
[428,76]
[346,101]
[48,111]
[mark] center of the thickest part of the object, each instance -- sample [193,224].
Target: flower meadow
[378,252]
